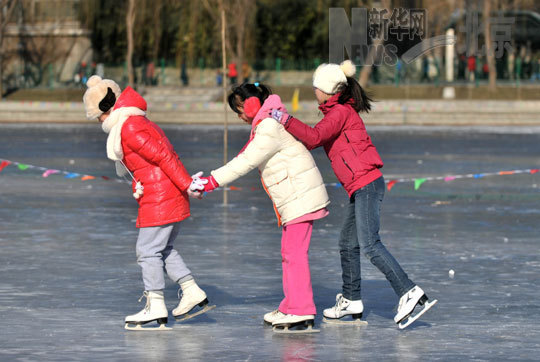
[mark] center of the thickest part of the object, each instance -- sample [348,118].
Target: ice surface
[69,275]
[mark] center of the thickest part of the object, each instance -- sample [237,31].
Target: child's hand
[195,194]
[280,116]
[211,184]
[197,183]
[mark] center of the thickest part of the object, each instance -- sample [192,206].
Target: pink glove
[211,185]
[280,116]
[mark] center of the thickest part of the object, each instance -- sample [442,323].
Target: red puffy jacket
[150,156]
[354,159]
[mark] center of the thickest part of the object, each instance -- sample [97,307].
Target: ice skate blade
[412,318]
[185,317]
[139,327]
[287,330]
[354,322]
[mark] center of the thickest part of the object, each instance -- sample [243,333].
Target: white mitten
[197,184]
[139,190]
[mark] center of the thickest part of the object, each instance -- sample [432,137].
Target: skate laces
[179,293]
[145,294]
[340,301]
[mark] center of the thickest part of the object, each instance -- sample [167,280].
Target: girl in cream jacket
[294,184]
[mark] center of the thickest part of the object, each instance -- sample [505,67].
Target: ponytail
[353,90]
[246,90]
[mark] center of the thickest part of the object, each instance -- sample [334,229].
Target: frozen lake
[69,274]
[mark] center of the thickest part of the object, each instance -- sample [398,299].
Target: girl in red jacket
[161,184]
[356,164]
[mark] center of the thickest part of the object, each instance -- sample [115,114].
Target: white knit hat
[328,76]
[96,92]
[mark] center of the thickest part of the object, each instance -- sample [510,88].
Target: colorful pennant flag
[418,182]
[391,184]
[49,172]
[4,164]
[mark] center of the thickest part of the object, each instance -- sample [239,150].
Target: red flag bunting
[391,184]
[4,164]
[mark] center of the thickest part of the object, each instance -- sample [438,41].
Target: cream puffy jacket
[288,171]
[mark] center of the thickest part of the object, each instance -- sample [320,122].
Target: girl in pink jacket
[356,164]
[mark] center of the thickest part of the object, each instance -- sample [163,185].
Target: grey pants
[155,252]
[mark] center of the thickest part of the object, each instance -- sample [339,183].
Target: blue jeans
[361,231]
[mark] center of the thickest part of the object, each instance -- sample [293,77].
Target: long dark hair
[245,90]
[353,90]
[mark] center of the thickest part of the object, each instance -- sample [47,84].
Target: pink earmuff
[252,106]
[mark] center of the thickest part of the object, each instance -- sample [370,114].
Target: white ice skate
[407,304]
[291,323]
[344,308]
[273,316]
[192,297]
[154,310]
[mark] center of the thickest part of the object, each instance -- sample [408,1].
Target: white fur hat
[96,92]
[328,76]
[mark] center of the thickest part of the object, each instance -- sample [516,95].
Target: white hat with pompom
[96,92]
[327,77]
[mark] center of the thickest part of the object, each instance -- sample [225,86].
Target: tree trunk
[157,29]
[490,55]
[6,9]
[376,46]
[193,21]
[130,17]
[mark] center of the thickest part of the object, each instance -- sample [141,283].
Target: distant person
[536,67]
[246,72]
[219,78]
[82,72]
[100,70]
[295,186]
[150,73]
[511,63]
[162,188]
[527,67]
[425,70]
[233,73]
[462,62]
[357,164]
[184,74]
[471,68]
[485,70]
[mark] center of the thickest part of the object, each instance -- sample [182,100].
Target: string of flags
[46,172]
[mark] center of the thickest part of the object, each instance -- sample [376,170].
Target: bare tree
[158,5]
[374,52]
[130,19]
[6,10]
[240,13]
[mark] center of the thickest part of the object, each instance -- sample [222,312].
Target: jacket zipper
[349,142]
[346,164]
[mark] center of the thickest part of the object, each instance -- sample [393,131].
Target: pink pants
[296,276]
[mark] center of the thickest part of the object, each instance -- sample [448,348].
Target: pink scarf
[272,102]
